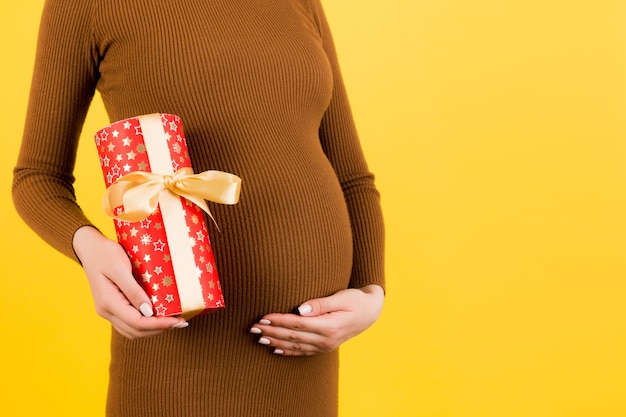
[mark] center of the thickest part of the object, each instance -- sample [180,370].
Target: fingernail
[180,325]
[146,310]
[264,341]
[266,322]
[279,351]
[255,330]
[305,309]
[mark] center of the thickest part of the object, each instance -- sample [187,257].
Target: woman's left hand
[323,323]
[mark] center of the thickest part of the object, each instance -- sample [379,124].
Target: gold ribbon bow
[139,191]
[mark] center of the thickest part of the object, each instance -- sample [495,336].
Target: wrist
[84,238]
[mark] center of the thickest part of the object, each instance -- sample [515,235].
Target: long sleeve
[62,88]
[341,144]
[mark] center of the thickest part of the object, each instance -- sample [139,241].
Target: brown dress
[258,87]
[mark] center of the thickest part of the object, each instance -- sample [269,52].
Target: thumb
[122,276]
[319,306]
[136,295]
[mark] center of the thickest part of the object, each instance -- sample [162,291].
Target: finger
[293,353]
[134,293]
[316,325]
[116,308]
[122,314]
[133,334]
[130,316]
[283,334]
[319,306]
[140,327]
[291,342]
[123,332]
[289,348]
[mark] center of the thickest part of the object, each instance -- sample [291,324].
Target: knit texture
[258,87]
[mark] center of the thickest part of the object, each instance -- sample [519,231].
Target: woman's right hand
[117,296]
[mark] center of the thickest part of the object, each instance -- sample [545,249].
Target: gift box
[159,208]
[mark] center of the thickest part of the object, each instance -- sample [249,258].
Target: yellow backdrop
[497,133]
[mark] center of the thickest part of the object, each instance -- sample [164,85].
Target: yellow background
[496,129]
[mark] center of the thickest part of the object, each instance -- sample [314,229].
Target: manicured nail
[279,351]
[255,330]
[146,310]
[305,309]
[180,325]
[264,341]
[266,322]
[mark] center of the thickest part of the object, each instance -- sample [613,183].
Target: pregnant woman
[300,258]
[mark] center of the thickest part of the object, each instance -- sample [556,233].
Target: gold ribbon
[139,191]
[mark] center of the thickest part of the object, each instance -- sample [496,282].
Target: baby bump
[288,240]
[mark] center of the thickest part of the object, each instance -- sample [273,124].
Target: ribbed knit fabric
[258,87]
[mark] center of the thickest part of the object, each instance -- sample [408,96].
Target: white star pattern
[146,276]
[127,125]
[127,168]
[159,245]
[106,161]
[155,299]
[146,239]
[115,133]
[158,270]
[161,309]
[115,170]
[147,257]
[145,223]
[169,298]
[200,236]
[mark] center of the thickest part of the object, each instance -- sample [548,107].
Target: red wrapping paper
[123,148]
